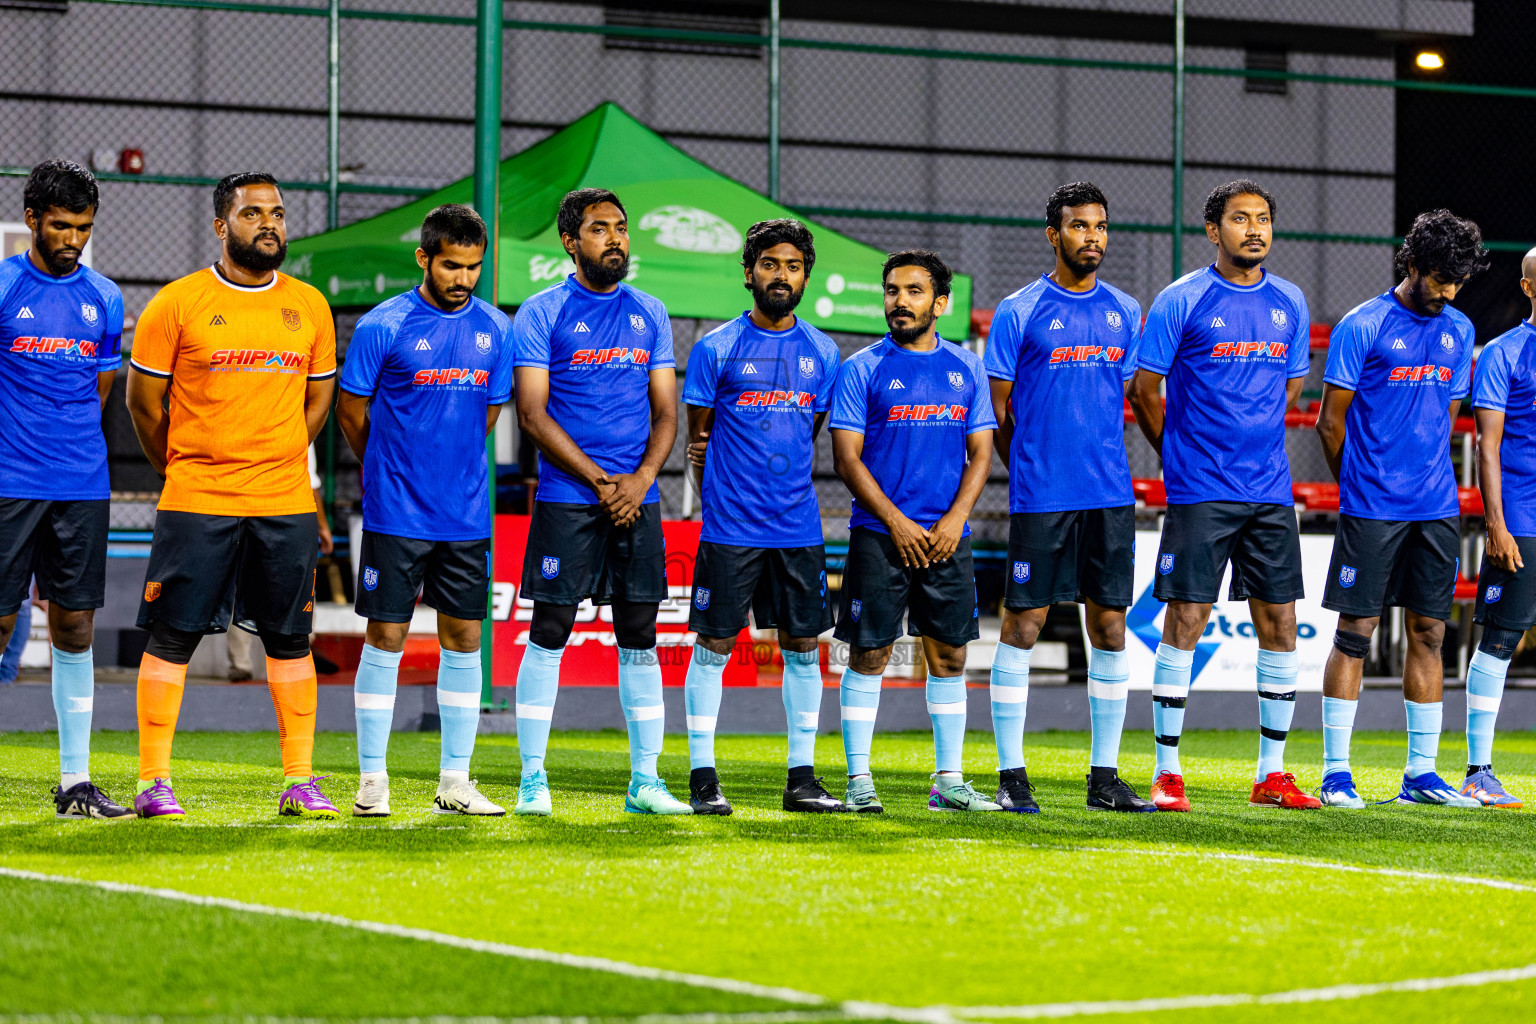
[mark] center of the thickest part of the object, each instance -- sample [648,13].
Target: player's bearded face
[60,236]
[1246,231]
[1082,237]
[909,317]
[259,249]
[777,285]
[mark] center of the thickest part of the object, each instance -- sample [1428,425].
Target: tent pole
[488,30]
[774,83]
[1178,139]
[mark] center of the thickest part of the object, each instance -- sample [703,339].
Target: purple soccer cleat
[159,802]
[305,800]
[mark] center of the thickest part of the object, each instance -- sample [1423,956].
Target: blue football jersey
[766,388]
[1405,370]
[1227,352]
[599,349]
[56,335]
[1506,380]
[915,410]
[431,375]
[1068,355]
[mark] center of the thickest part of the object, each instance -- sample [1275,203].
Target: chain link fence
[894,136]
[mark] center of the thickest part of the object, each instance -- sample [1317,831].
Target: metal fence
[895,136]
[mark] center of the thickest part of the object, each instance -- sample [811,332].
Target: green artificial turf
[910,908]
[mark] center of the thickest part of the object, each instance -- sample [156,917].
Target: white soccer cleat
[460,796]
[372,798]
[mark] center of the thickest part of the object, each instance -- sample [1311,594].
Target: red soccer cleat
[1278,789]
[1168,792]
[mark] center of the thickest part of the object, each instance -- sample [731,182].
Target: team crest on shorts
[88,311]
[370,577]
[1277,317]
[151,591]
[957,380]
[1021,572]
[701,598]
[1346,575]
[550,567]
[482,341]
[856,609]
[291,319]
[1165,564]
[637,322]
[1113,319]
[807,366]
[1447,342]
[1492,595]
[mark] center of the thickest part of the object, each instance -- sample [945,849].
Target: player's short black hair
[574,207]
[938,270]
[454,223]
[1221,195]
[1075,193]
[224,191]
[63,184]
[1441,242]
[766,234]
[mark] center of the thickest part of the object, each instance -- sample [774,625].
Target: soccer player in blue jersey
[424,381]
[912,438]
[597,392]
[61,327]
[1060,352]
[1398,368]
[758,389]
[1504,402]
[1231,340]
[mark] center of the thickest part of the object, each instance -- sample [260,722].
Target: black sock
[700,776]
[1097,774]
[1473,769]
[1011,773]
[801,773]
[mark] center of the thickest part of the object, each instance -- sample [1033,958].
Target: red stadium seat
[1316,496]
[1466,590]
[1150,493]
[1471,501]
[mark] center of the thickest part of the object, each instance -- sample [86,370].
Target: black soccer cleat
[85,800]
[704,794]
[807,795]
[1014,793]
[1107,791]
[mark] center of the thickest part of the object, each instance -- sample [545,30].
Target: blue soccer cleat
[1485,787]
[1338,790]
[1430,788]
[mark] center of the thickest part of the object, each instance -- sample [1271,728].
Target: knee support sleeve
[172,645]
[552,624]
[634,625]
[1499,643]
[1351,645]
[284,646]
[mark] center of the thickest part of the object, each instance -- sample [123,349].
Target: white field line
[783,1017]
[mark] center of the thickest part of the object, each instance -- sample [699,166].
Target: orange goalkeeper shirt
[239,360]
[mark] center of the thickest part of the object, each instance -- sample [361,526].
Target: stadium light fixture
[1429,60]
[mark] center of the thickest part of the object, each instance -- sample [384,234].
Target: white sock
[448,776]
[379,776]
[69,780]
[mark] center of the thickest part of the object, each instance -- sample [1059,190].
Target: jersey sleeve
[980,415]
[701,380]
[1347,347]
[850,397]
[530,334]
[322,357]
[1299,357]
[1131,310]
[1490,379]
[501,376]
[662,355]
[830,366]
[109,356]
[1158,346]
[1461,383]
[365,356]
[157,337]
[1001,358]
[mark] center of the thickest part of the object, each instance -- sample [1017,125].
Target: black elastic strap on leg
[170,644]
[1167,741]
[634,625]
[552,625]
[1278,735]
[284,646]
[1351,645]
[1499,642]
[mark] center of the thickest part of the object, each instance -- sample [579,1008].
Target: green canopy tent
[686,224]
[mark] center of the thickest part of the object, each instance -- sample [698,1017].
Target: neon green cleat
[953,793]
[860,796]
[648,795]
[533,795]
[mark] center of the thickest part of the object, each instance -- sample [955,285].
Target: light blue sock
[946,708]
[644,712]
[1170,692]
[1109,683]
[458,706]
[1338,726]
[701,700]
[859,699]
[538,681]
[373,699]
[802,705]
[1424,722]
[1277,706]
[74,696]
[1010,701]
[1485,689]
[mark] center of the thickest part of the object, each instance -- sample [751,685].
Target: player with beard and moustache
[758,389]
[231,378]
[597,393]
[1232,341]
[433,363]
[1398,368]
[912,436]
[61,327]
[1060,353]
